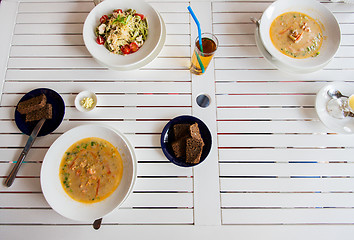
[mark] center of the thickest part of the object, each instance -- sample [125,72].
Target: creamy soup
[296,35]
[91,170]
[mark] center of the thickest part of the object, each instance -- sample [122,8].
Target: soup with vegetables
[296,35]
[91,170]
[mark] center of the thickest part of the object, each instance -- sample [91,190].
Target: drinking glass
[201,59]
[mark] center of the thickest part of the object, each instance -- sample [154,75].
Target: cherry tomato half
[103,19]
[140,15]
[125,49]
[134,47]
[118,10]
[100,40]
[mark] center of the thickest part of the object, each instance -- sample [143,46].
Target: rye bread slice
[194,149]
[45,112]
[181,130]
[32,104]
[179,147]
[194,131]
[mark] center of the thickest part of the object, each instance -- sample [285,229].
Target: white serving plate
[345,125]
[317,11]
[52,187]
[130,61]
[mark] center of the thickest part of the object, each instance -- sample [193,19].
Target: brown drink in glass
[210,45]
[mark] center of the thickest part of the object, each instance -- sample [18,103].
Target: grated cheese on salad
[122,32]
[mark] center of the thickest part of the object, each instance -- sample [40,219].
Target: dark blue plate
[50,124]
[167,137]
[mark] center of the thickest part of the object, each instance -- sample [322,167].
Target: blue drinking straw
[199,35]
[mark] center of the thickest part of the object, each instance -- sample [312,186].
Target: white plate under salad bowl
[316,10]
[156,35]
[52,188]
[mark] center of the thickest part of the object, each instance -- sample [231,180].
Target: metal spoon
[333,93]
[255,21]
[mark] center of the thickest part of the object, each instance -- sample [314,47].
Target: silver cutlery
[10,179]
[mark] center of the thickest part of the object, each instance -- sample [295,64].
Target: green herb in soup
[296,35]
[91,170]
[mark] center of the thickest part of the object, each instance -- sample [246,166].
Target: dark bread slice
[181,130]
[194,131]
[32,104]
[194,148]
[45,112]
[179,147]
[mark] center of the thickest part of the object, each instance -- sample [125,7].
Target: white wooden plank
[122,126]
[99,87]
[175,232]
[206,178]
[258,140]
[234,40]
[146,184]
[288,216]
[163,169]
[265,100]
[78,17]
[234,28]
[289,185]
[287,200]
[266,113]
[37,200]
[98,75]
[276,75]
[47,7]
[271,127]
[117,113]
[234,17]
[174,6]
[278,155]
[121,216]
[118,100]
[260,63]
[286,169]
[239,7]
[239,51]
[62,17]
[268,87]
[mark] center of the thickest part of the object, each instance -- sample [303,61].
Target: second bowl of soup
[303,34]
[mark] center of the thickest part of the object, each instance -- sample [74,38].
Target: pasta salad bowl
[104,54]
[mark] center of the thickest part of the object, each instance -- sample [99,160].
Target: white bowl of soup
[302,34]
[88,172]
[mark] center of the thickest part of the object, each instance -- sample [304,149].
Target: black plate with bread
[186,141]
[37,104]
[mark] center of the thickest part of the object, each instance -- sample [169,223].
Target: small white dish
[344,125]
[81,96]
[316,10]
[146,53]
[52,188]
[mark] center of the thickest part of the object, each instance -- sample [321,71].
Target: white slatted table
[274,172]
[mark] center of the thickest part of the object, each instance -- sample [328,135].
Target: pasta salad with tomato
[122,32]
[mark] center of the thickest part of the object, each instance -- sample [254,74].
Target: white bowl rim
[121,61]
[317,11]
[54,192]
